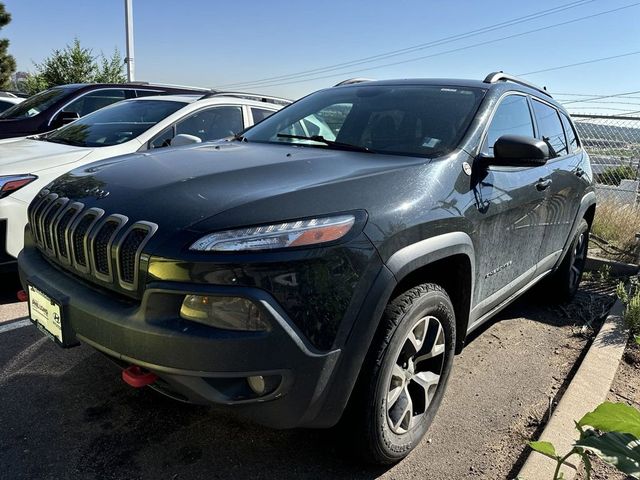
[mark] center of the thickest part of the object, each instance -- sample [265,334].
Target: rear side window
[572,137]
[512,117]
[4,105]
[550,128]
[260,114]
[148,93]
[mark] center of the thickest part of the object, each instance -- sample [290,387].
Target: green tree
[75,64]
[7,62]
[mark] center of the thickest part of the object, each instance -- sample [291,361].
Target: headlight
[290,234]
[229,313]
[11,183]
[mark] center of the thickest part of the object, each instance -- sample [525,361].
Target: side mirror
[184,139]
[63,118]
[519,151]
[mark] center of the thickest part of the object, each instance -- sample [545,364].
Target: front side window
[413,120]
[96,100]
[550,128]
[210,124]
[36,104]
[512,117]
[114,125]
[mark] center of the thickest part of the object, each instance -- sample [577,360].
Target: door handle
[543,184]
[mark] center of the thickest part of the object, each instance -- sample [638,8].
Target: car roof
[188,98]
[459,82]
[499,86]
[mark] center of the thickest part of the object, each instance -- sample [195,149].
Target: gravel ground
[66,414]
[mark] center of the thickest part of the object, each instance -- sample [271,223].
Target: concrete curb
[618,269]
[588,388]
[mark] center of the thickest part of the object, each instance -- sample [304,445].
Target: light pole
[128,21]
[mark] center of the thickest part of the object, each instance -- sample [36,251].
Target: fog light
[257,384]
[229,313]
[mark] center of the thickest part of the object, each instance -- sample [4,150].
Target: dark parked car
[300,279]
[58,106]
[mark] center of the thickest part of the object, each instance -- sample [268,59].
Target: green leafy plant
[611,432]
[7,62]
[631,300]
[74,64]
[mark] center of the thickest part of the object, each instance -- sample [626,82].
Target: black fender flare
[424,252]
[588,200]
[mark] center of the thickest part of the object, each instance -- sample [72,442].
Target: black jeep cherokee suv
[332,259]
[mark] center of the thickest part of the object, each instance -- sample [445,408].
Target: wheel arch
[442,259]
[587,210]
[449,261]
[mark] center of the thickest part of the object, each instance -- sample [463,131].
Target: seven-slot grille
[89,241]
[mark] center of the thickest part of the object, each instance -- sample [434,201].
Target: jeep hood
[179,187]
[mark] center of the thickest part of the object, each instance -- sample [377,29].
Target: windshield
[115,124]
[415,120]
[32,106]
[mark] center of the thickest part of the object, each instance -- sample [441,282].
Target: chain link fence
[613,143]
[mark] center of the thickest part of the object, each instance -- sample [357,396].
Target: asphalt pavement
[66,414]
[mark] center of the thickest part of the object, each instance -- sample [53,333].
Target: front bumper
[194,362]
[13,218]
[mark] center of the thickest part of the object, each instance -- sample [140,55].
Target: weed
[618,224]
[631,300]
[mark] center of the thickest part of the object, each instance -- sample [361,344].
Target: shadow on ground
[9,286]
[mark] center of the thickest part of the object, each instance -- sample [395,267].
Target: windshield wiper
[330,143]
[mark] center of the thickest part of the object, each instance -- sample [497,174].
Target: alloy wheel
[415,375]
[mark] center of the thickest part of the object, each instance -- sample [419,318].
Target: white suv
[28,164]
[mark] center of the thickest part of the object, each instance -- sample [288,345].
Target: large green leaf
[619,449]
[613,417]
[545,448]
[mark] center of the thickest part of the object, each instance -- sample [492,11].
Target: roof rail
[247,96]
[154,84]
[351,81]
[494,77]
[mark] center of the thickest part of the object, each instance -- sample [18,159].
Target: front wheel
[405,374]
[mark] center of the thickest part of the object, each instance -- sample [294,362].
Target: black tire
[562,285]
[412,315]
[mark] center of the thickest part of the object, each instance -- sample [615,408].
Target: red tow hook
[137,377]
[22,296]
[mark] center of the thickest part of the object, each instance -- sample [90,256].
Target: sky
[230,44]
